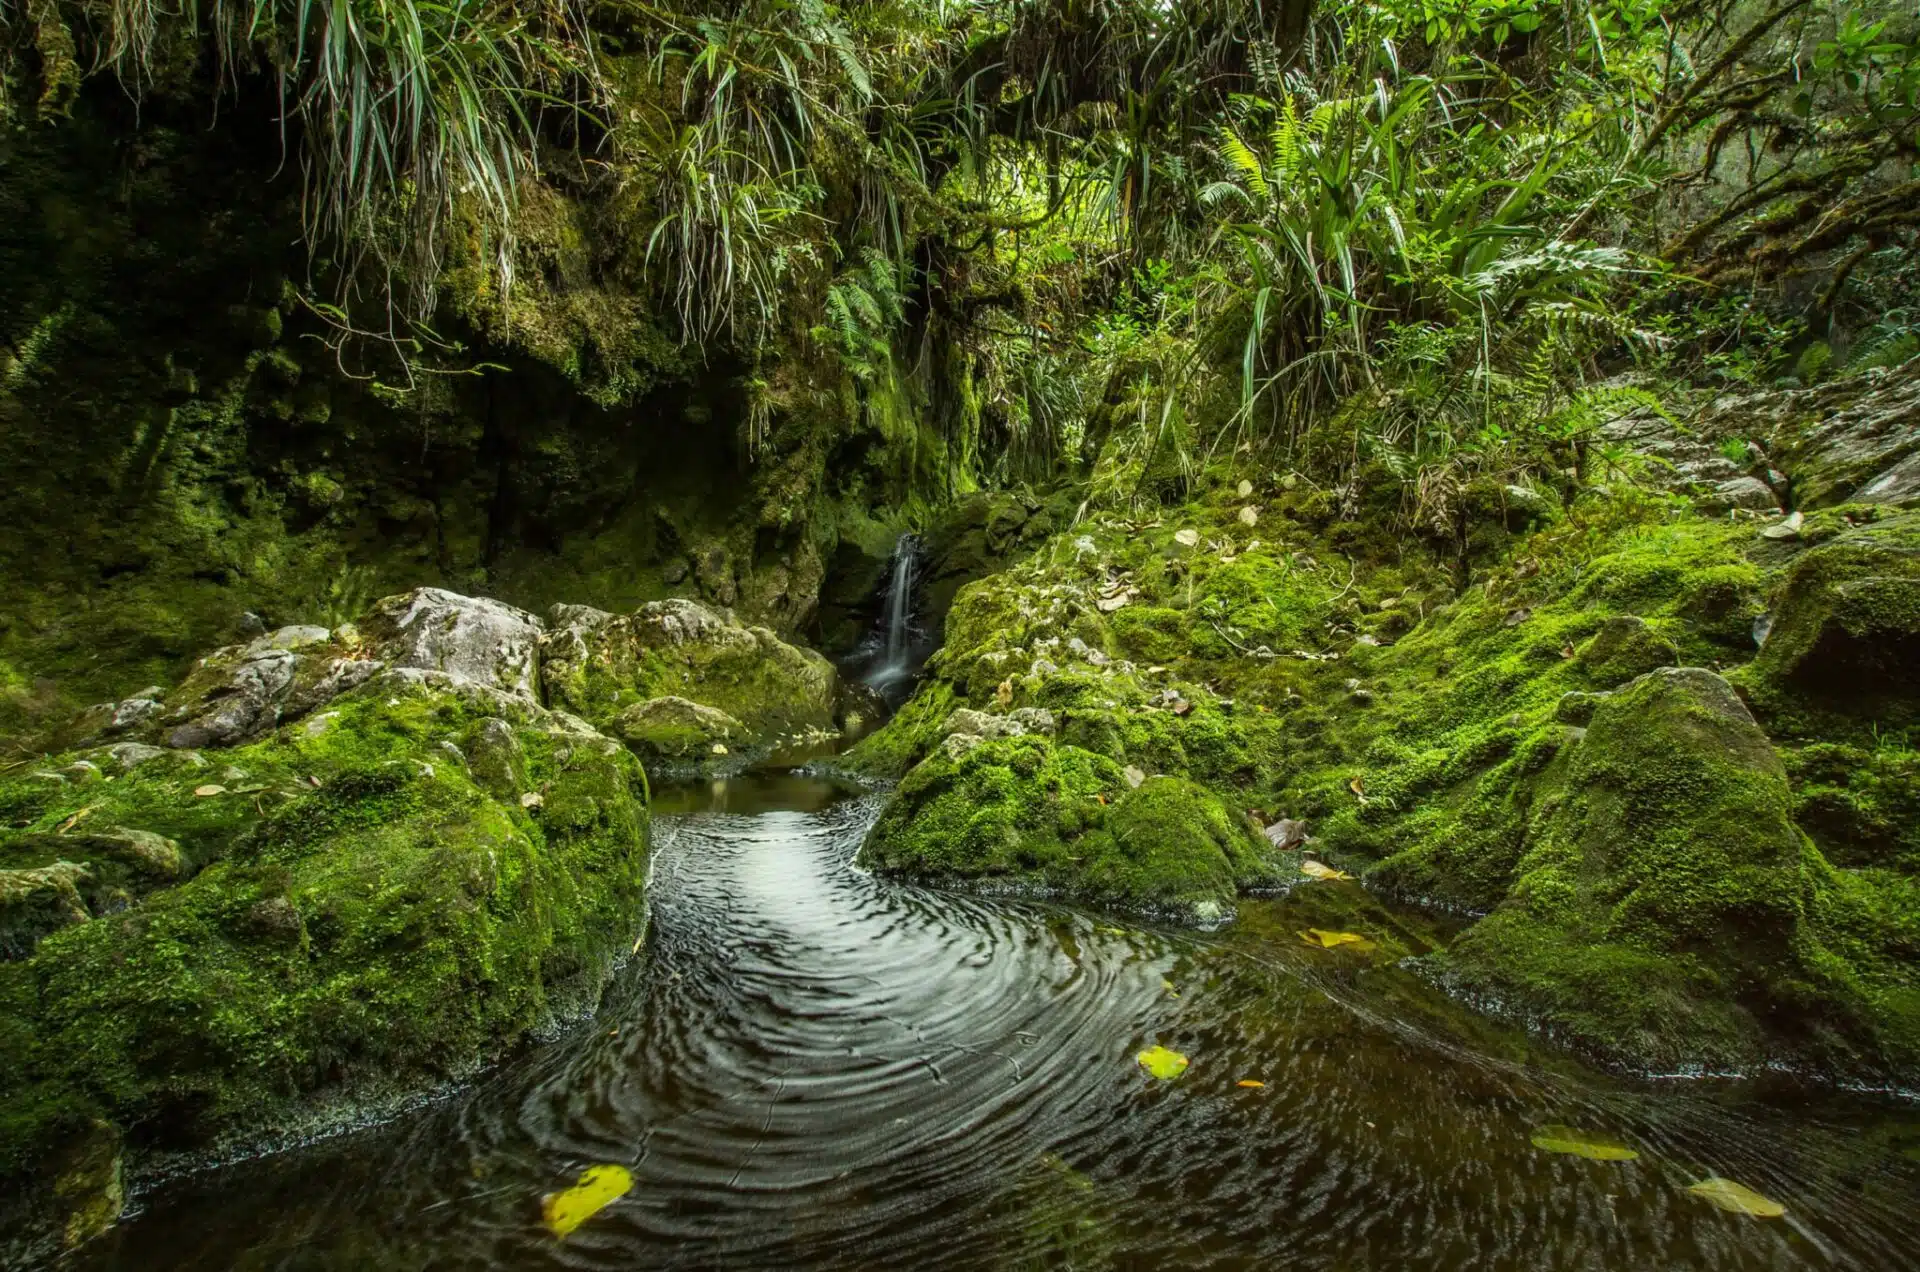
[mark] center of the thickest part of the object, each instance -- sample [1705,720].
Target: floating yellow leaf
[1738,1198]
[1599,1148]
[209,789]
[1323,939]
[1162,1063]
[1250,1083]
[598,1186]
[1315,870]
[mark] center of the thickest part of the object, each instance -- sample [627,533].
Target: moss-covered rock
[1663,910]
[365,911]
[1024,814]
[1845,632]
[676,729]
[597,665]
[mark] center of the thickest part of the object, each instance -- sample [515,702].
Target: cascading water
[894,664]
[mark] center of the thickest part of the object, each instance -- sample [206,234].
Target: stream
[812,1068]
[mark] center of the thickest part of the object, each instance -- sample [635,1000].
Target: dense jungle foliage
[1414,236]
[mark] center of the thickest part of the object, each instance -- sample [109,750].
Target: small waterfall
[893,664]
[906,555]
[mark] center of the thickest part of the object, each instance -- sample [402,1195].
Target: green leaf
[1737,1198]
[1599,1148]
[1162,1063]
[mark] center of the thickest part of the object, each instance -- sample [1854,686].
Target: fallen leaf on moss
[1245,488]
[1320,938]
[598,1186]
[1599,1148]
[1359,788]
[1319,870]
[532,799]
[209,789]
[1737,1198]
[1167,985]
[1186,538]
[1253,1084]
[1162,1063]
[75,820]
[1249,516]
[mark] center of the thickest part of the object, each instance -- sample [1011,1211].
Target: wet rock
[37,903]
[89,1188]
[1021,812]
[1623,648]
[673,728]
[275,919]
[858,708]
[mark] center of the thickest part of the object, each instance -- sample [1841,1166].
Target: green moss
[1027,814]
[368,920]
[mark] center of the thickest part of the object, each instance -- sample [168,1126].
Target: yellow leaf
[76,819]
[209,789]
[1738,1198]
[1168,986]
[1322,939]
[1315,870]
[1250,1083]
[1599,1148]
[1162,1063]
[598,1186]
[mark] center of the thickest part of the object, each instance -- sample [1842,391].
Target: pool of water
[812,1068]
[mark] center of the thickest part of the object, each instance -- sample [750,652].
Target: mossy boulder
[676,729]
[1023,814]
[1625,647]
[597,665]
[1661,914]
[1845,632]
[342,913]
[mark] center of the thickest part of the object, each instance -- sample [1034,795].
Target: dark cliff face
[185,438]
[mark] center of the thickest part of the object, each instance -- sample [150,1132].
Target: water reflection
[816,1069]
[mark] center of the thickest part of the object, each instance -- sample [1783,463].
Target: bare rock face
[242,692]
[468,638]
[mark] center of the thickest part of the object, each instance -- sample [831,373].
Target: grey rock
[472,639]
[128,756]
[289,638]
[1743,492]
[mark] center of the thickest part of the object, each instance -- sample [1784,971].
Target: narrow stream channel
[815,1069]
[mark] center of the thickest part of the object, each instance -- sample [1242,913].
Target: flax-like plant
[404,109]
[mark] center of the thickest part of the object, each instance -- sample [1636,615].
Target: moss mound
[598,665]
[378,898]
[1024,814]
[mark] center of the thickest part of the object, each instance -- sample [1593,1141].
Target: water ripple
[816,1069]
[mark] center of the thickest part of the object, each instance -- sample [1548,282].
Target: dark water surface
[815,1069]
